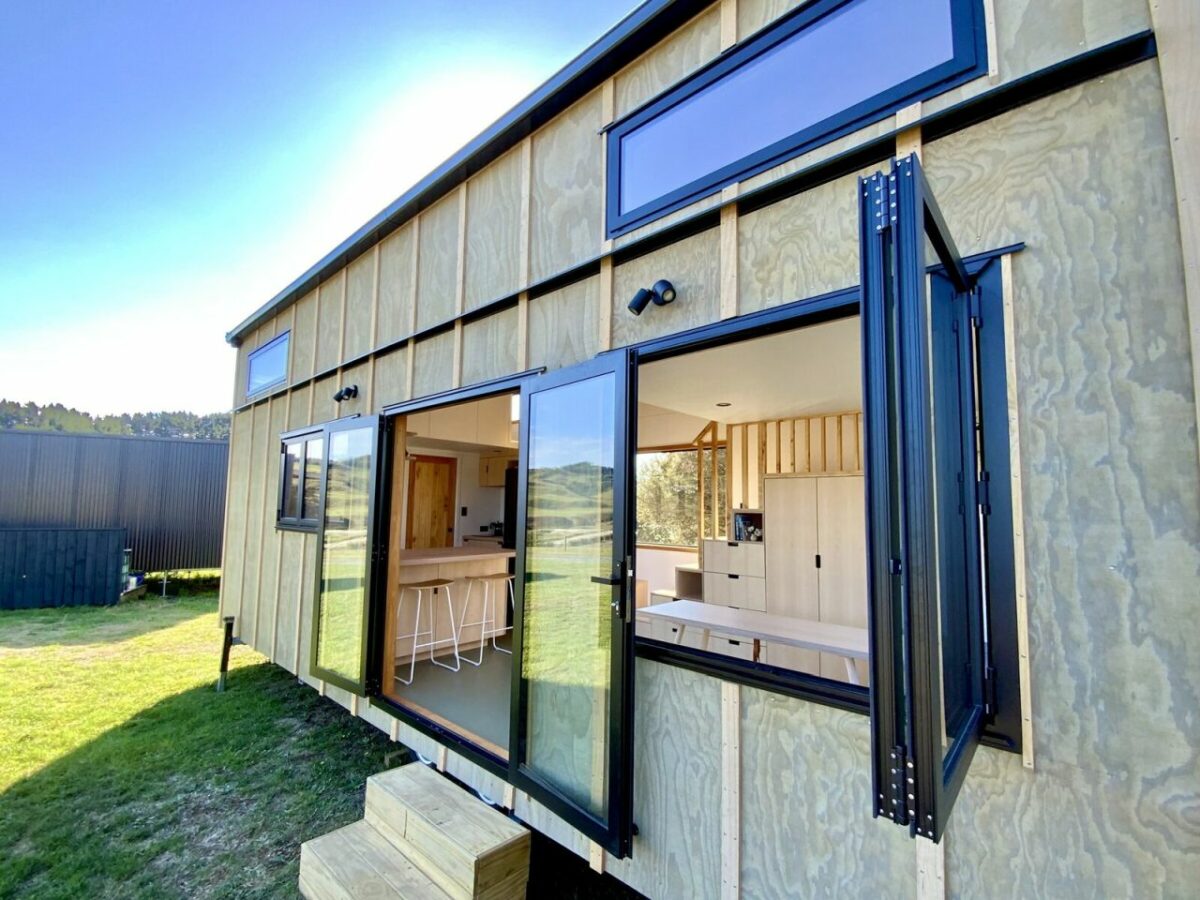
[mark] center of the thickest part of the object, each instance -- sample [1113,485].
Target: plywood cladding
[437,262]
[1103,373]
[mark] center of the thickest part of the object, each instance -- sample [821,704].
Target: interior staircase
[420,837]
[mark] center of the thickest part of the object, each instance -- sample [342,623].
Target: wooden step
[357,862]
[472,851]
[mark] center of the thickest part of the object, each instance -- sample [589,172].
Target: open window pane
[292,471]
[314,451]
[344,567]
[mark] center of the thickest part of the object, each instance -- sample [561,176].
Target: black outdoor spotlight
[346,393]
[662,293]
[640,301]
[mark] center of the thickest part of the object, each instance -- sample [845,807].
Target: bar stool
[488,583]
[419,588]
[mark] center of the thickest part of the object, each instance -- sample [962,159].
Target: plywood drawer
[742,591]
[718,588]
[748,558]
[738,649]
[753,593]
[716,556]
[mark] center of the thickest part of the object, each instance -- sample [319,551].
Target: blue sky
[167,167]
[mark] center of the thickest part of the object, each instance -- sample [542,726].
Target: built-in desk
[841,640]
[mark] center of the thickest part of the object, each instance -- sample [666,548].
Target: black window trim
[257,351]
[297,436]
[1005,733]
[969,62]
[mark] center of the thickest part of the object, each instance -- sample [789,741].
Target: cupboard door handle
[732,543]
[732,576]
[818,560]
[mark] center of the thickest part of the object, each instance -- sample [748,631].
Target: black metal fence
[60,567]
[168,494]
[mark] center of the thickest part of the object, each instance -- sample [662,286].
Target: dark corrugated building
[167,493]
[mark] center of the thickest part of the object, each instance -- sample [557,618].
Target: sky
[167,167]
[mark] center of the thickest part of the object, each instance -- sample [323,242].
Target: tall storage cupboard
[816,561]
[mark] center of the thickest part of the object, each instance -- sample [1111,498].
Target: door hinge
[974,306]
[983,492]
[989,690]
[901,787]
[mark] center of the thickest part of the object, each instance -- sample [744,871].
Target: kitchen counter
[440,556]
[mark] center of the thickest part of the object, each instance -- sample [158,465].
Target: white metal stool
[419,588]
[488,613]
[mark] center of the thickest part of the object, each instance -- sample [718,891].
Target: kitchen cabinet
[492,468]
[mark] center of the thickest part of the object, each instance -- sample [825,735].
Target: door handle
[600,579]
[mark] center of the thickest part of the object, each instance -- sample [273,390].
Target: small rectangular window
[835,66]
[668,494]
[267,366]
[300,482]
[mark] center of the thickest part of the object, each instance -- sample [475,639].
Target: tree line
[56,417]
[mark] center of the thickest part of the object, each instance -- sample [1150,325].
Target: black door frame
[615,832]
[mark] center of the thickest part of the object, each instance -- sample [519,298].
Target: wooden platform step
[357,862]
[420,837]
[472,851]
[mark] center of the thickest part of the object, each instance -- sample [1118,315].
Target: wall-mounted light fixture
[662,293]
[346,393]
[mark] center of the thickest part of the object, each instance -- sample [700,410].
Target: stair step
[469,849]
[357,862]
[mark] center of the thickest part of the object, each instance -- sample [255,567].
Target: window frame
[284,337]
[302,437]
[669,448]
[1004,730]
[968,62]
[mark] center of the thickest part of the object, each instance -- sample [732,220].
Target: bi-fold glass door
[347,552]
[572,687]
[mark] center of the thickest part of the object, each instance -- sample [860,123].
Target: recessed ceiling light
[724,403]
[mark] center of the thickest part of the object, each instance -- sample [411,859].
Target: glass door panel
[573,624]
[346,553]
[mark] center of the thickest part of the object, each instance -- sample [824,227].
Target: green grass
[125,775]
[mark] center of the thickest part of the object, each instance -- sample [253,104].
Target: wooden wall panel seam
[729,261]
[1018,512]
[908,135]
[460,274]
[1177,30]
[414,276]
[606,304]
[374,339]
[522,331]
[731,789]
[526,209]
[729,14]
[992,42]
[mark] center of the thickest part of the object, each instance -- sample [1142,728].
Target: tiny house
[765,460]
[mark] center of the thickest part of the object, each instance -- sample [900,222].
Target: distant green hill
[56,417]
[566,496]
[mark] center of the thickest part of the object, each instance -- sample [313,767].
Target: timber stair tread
[420,836]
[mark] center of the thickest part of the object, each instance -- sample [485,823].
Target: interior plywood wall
[827,444]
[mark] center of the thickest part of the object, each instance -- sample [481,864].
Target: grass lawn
[123,773]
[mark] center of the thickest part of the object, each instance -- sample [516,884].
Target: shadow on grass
[23,629]
[200,795]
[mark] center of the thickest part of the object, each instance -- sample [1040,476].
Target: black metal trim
[507,384]
[812,688]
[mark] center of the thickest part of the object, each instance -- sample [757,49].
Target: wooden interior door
[431,481]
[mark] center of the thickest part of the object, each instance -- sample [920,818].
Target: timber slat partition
[50,567]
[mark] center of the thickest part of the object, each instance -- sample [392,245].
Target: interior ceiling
[794,373]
